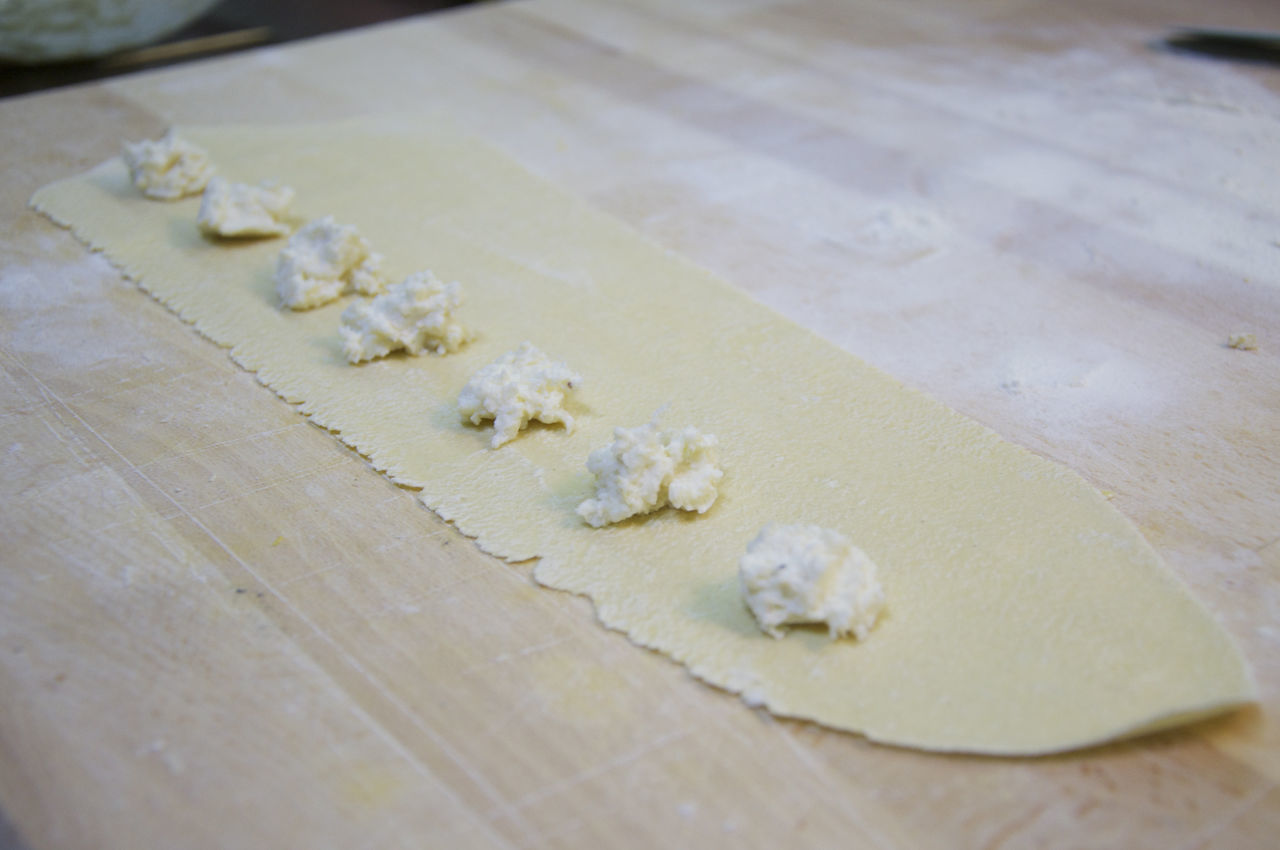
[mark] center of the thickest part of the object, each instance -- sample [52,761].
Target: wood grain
[220,628]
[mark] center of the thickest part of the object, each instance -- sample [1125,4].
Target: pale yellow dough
[1027,614]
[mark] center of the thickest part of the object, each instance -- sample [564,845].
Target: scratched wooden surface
[220,628]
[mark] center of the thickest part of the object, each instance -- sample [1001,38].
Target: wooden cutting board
[220,628]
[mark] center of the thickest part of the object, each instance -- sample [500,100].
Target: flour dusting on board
[60,297]
[901,234]
[1032,184]
[1071,391]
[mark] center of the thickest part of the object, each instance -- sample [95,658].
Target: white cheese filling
[793,574]
[415,315]
[238,209]
[645,469]
[517,388]
[168,168]
[323,261]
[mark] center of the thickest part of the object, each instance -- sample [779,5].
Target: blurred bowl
[38,31]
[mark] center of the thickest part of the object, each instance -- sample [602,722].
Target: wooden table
[220,628]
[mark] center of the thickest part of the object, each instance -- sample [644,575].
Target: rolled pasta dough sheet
[1024,613]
